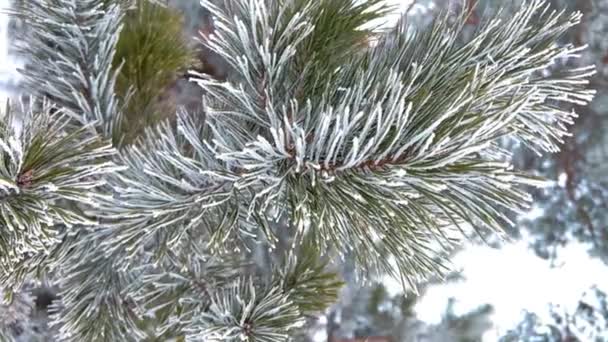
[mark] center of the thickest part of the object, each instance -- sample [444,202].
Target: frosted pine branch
[402,145]
[50,170]
[241,312]
[380,153]
[69,49]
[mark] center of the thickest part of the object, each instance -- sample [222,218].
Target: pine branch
[151,55]
[304,276]
[173,180]
[93,291]
[241,37]
[341,29]
[383,153]
[49,171]
[310,40]
[69,48]
[402,146]
[171,292]
[242,312]
[254,310]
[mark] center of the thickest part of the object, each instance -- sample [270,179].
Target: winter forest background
[548,284]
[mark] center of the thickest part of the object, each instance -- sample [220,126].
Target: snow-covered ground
[513,279]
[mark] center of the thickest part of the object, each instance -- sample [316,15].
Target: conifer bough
[378,154]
